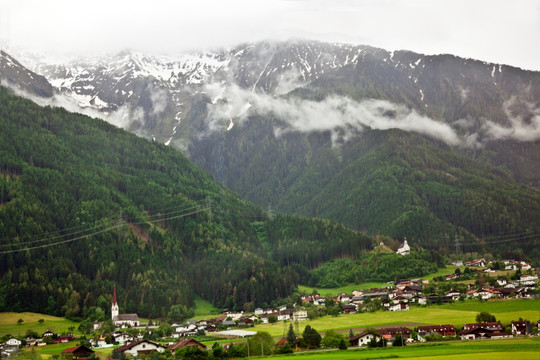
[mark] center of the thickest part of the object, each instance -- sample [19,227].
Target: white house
[398,307]
[300,315]
[528,279]
[488,294]
[259,311]
[235,315]
[453,294]
[14,342]
[141,347]
[363,339]
[122,337]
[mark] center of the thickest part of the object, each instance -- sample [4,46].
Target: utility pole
[270,212]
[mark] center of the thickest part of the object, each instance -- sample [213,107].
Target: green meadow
[8,323]
[346,289]
[457,314]
[204,310]
[449,269]
[520,348]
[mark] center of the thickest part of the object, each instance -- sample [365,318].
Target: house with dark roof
[363,338]
[64,339]
[442,330]
[483,333]
[494,325]
[522,327]
[186,342]
[77,352]
[140,347]
[390,333]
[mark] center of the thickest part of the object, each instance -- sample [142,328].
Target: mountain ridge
[268,118]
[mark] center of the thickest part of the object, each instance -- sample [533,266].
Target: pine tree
[291,336]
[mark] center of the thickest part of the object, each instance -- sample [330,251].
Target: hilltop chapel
[122,320]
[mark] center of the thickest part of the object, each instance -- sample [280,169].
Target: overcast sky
[501,31]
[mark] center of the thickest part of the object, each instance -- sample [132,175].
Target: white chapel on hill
[122,320]
[404,249]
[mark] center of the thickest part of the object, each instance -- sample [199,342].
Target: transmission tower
[456,240]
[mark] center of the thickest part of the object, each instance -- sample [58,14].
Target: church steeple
[114,307]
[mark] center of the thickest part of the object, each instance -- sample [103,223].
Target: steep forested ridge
[478,182]
[162,230]
[381,181]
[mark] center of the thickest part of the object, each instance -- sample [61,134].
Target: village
[129,337]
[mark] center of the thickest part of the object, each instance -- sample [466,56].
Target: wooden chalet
[390,333]
[140,347]
[442,330]
[495,326]
[77,352]
[186,342]
[363,338]
[521,327]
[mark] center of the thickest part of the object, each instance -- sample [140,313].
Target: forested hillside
[85,206]
[380,181]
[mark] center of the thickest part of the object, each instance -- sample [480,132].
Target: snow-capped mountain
[284,123]
[12,72]
[161,87]
[155,94]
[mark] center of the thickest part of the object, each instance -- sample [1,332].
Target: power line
[54,237]
[119,225]
[64,241]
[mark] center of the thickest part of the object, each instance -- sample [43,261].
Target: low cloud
[160,100]
[345,117]
[125,117]
[342,116]
[524,121]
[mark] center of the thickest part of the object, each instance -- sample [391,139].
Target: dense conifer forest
[85,206]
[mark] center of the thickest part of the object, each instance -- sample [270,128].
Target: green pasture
[346,289]
[523,348]
[456,314]
[449,269]
[204,310]
[496,306]
[8,323]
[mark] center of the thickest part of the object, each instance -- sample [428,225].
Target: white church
[122,320]
[404,249]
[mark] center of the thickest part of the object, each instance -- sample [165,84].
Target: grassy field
[8,323]
[204,309]
[457,314]
[517,348]
[449,269]
[522,348]
[346,289]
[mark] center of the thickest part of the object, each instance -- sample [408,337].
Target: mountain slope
[14,73]
[85,205]
[390,182]
[297,124]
